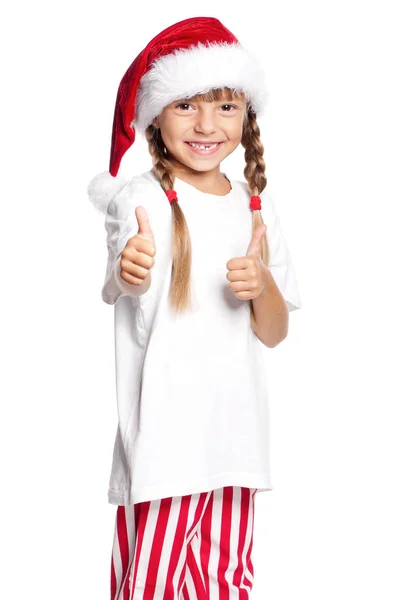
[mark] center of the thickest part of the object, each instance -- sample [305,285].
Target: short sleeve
[280,262]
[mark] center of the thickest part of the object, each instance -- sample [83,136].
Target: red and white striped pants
[193,547]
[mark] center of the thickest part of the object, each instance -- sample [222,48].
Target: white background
[329,528]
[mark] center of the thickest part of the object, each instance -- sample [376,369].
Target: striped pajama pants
[193,547]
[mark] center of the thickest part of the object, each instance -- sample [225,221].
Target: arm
[271,314]
[281,293]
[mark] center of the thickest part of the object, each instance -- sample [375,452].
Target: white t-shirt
[191,389]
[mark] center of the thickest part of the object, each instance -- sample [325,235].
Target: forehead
[216,95]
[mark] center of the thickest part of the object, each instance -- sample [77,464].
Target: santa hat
[188,58]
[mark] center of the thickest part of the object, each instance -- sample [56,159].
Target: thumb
[255,242]
[144,227]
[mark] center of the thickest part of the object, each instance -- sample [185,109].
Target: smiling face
[214,119]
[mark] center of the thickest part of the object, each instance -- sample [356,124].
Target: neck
[207,181]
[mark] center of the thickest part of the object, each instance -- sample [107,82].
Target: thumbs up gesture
[138,255]
[247,273]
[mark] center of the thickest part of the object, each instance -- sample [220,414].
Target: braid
[179,294]
[254,172]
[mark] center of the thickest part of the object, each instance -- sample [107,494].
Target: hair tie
[255,203]
[172,195]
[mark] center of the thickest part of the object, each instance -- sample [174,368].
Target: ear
[155,123]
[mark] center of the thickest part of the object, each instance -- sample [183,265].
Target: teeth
[201,147]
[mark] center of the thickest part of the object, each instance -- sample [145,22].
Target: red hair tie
[255,203]
[172,195]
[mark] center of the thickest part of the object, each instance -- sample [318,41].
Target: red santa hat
[188,58]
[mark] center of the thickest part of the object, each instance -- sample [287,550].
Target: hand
[137,256]
[247,273]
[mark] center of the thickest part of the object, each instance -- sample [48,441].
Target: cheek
[172,134]
[234,131]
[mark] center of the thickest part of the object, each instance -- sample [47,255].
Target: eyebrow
[225,100]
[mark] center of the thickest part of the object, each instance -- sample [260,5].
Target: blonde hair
[254,172]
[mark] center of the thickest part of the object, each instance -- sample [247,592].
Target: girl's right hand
[138,255]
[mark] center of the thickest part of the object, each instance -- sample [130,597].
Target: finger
[141,244]
[241,262]
[241,274]
[130,278]
[139,258]
[133,269]
[144,226]
[244,295]
[255,242]
[243,286]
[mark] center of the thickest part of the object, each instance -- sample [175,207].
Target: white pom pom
[102,188]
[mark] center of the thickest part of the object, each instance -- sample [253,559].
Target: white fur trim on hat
[103,187]
[194,70]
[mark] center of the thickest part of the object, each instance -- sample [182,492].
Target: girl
[200,276]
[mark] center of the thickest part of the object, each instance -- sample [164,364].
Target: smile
[204,148]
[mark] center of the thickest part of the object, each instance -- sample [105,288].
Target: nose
[205,121]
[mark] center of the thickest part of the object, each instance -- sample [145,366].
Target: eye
[231,106]
[182,104]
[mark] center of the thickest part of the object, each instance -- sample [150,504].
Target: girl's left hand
[248,273]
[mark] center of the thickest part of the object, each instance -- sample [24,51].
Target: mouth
[202,148]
